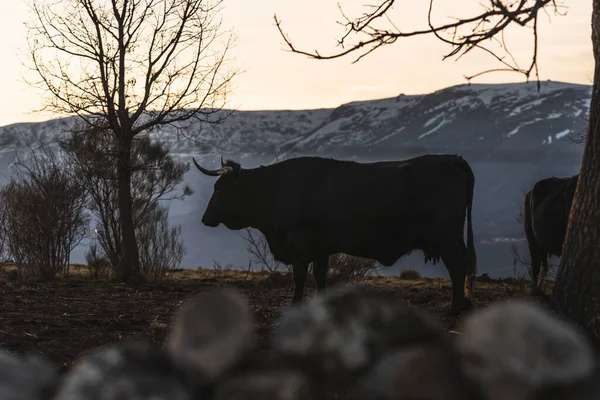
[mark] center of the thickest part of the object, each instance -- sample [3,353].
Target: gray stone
[212,333]
[347,328]
[281,384]
[26,377]
[140,371]
[515,349]
[415,372]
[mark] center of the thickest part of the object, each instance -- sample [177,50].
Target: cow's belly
[385,242]
[385,247]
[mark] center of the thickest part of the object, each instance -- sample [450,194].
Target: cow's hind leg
[300,270]
[539,261]
[544,272]
[454,257]
[320,268]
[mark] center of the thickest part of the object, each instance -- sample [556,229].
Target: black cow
[309,208]
[545,215]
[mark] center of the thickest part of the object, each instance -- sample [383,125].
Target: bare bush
[97,262]
[578,137]
[161,247]
[4,253]
[45,216]
[155,177]
[547,271]
[258,248]
[409,273]
[344,267]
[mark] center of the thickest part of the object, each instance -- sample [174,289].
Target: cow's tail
[471,255]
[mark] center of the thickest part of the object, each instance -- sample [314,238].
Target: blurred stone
[139,370]
[415,372]
[212,333]
[513,350]
[347,328]
[273,384]
[580,390]
[27,377]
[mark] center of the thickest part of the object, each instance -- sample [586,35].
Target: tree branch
[493,20]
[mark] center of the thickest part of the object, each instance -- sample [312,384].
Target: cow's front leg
[300,271]
[320,268]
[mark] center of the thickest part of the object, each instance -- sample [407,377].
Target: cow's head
[228,202]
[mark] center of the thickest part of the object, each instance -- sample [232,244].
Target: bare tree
[577,289]
[136,65]
[155,177]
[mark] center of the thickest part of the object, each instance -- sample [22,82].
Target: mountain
[511,134]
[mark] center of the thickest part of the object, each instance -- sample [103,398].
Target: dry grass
[409,273]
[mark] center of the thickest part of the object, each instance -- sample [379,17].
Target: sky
[275,78]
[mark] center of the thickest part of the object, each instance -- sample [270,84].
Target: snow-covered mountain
[511,134]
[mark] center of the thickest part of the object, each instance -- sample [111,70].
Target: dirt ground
[64,319]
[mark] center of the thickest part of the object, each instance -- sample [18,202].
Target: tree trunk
[129,264]
[576,293]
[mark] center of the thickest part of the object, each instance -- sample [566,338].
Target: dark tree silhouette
[136,64]
[576,294]
[464,34]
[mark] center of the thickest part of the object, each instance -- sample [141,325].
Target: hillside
[511,134]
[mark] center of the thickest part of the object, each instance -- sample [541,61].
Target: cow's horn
[212,172]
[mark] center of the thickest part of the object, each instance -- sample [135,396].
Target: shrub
[258,248]
[4,253]
[44,214]
[98,264]
[161,247]
[409,273]
[349,268]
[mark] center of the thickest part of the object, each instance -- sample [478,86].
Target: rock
[26,378]
[346,329]
[267,384]
[425,372]
[213,332]
[137,370]
[513,350]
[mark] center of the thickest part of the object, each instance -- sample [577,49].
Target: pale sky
[277,79]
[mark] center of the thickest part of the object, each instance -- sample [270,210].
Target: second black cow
[545,215]
[309,208]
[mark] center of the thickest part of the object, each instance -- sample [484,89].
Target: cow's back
[367,202]
[322,191]
[385,189]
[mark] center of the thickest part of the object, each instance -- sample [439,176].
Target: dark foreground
[64,319]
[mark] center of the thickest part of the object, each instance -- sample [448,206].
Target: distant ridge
[511,134]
